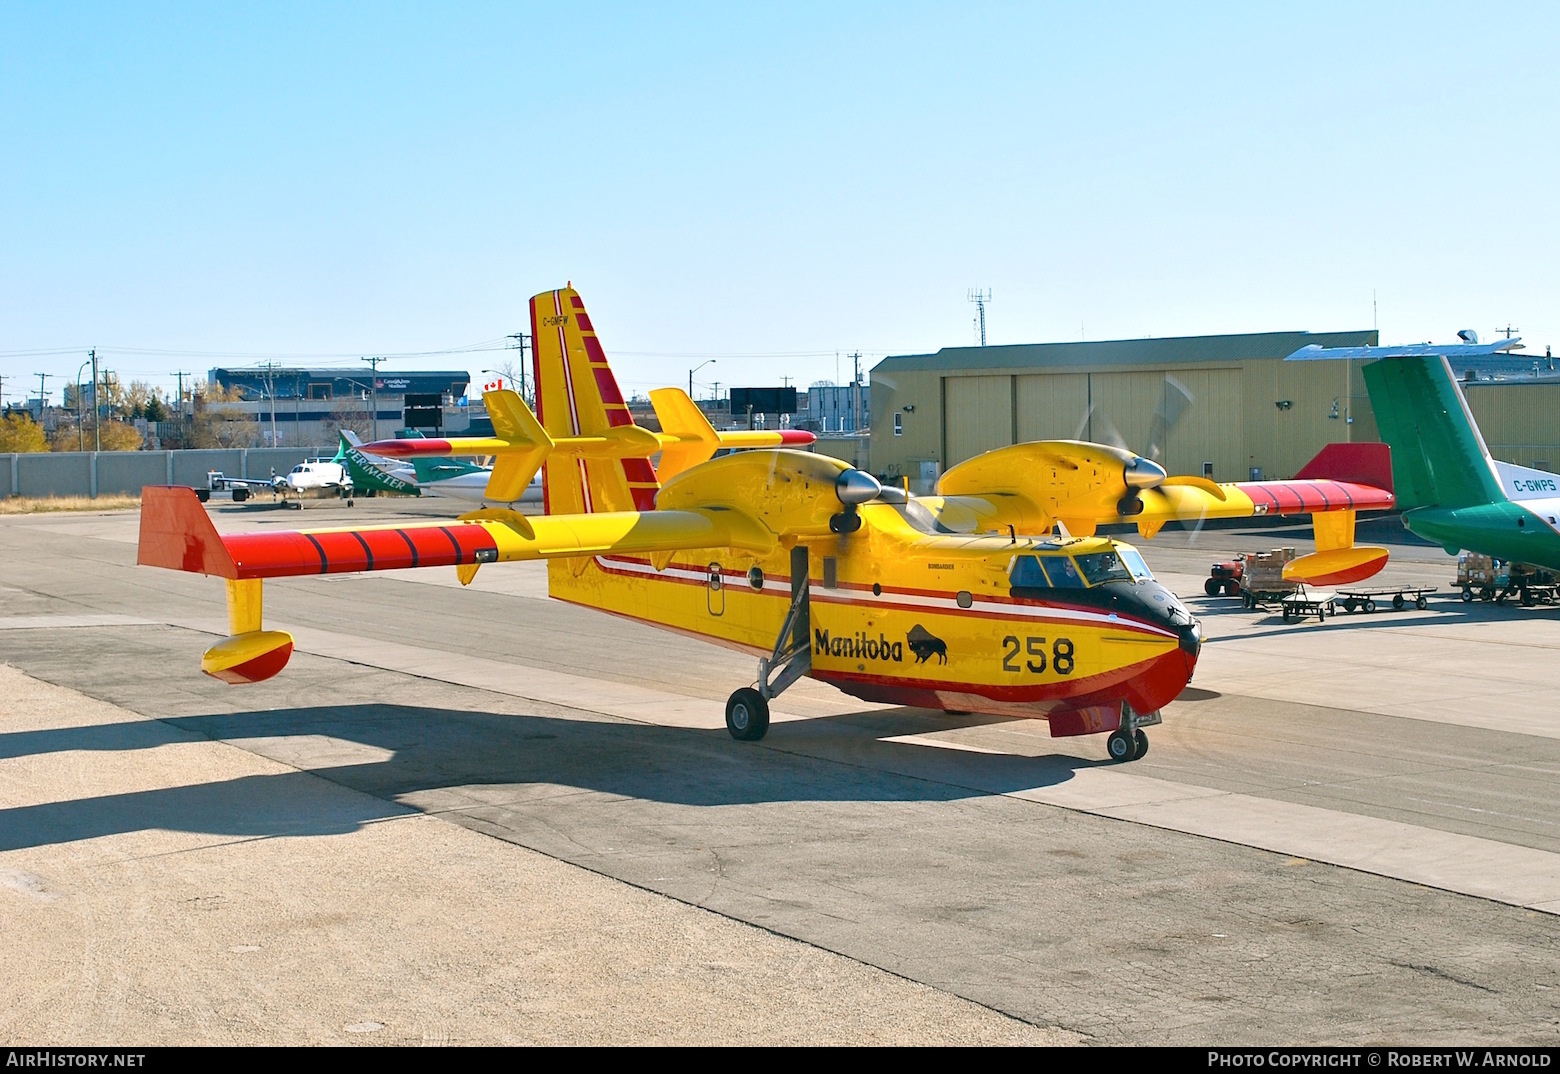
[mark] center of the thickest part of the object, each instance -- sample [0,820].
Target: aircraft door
[716,591]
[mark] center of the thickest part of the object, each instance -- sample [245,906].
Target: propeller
[854,488]
[1175,399]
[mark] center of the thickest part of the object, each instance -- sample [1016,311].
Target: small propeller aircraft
[311,477]
[796,558]
[1452,491]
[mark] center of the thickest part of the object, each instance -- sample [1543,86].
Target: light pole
[81,437]
[373,390]
[694,370]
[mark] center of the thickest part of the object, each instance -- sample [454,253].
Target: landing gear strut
[1128,742]
[747,709]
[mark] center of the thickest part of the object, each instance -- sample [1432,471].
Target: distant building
[324,385]
[838,408]
[308,406]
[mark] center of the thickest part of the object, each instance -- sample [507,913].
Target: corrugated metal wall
[978,416]
[981,412]
[1520,422]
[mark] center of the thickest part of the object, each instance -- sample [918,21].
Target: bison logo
[924,645]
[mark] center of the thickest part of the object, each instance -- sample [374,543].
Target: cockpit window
[1135,564]
[1027,574]
[1104,567]
[298,469]
[1045,572]
[1062,572]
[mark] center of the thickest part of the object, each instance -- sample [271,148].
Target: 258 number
[1033,650]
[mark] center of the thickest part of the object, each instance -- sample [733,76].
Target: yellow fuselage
[904,616]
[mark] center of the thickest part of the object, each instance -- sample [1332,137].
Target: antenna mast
[981,296]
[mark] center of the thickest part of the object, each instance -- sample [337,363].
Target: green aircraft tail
[1438,455]
[365,475]
[440,469]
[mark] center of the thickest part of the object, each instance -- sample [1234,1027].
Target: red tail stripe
[406,449]
[639,470]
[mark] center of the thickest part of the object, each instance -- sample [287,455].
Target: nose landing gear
[1128,742]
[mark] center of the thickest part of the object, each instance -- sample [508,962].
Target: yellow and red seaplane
[972,600]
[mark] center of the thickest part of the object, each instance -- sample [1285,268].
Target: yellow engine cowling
[1045,481]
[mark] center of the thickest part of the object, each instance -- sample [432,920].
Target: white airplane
[311,477]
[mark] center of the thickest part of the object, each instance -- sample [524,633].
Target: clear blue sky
[740,182]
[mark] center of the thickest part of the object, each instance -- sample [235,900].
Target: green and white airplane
[1449,488]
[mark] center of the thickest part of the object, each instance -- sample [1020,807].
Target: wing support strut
[792,654]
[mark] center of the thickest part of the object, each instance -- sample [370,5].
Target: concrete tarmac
[482,816]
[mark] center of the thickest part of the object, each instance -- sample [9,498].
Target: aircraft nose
[1192,639]
[1143,473]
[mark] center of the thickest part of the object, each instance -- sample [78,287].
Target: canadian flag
[493,385]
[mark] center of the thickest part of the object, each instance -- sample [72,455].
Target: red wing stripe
[410,545]
[367,551]
[324,560]
[446,531]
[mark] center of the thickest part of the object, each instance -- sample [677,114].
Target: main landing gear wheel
[747,715]
[1140,740]
[1122,746]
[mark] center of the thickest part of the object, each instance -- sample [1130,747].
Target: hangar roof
[1171,350]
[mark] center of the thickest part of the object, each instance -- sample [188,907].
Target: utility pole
[981,296]
[855,393]
[181,374]
[2,391]
[521,339]
[270,389]
[373,390]
[43,399]
[97,414]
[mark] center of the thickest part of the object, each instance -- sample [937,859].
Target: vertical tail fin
[577,395]
[1438,455]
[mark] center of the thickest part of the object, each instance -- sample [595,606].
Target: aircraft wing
[176,533]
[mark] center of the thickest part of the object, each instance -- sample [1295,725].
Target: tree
[223,427]
[19,433]
[118,436]
[348,413]
[65,438]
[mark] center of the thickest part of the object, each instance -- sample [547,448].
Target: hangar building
[1234,407]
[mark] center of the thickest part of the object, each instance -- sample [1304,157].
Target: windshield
[1045,572]
[1135,564]
[1104,567]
